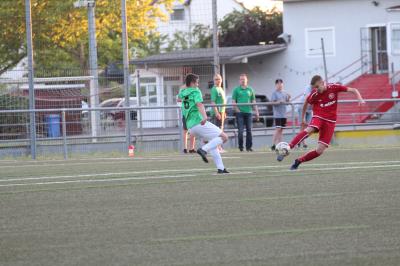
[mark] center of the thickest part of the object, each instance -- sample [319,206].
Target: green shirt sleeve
[253,96]
[234,94]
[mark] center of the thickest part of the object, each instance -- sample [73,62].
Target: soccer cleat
[280,157]
[203,154]
[273,148]
[222,171]
[240,149]
[249,150]
[192,151]
[305,146]
[185,151]
[295,165]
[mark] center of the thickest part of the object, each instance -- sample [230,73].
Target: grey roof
[205,55]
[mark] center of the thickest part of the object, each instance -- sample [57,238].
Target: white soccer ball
[282,148]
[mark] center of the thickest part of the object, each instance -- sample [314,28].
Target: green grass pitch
[341,209]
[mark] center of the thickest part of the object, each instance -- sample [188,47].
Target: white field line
[184,171]
[169,157]
[96,180]
[135,160]
[177,176]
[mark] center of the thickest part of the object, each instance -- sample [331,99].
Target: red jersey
[325,103]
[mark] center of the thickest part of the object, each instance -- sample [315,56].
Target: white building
[361,39]
[188,13]
[364,33]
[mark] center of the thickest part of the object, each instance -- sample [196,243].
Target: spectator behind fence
[218,114]
[244,94]
[185,130]
[281,97]
[308,114]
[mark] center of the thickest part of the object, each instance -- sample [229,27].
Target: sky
[265,4]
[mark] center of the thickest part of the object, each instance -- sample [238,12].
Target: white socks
[211,145]
[217,158]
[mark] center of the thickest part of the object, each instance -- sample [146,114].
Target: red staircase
[371,86]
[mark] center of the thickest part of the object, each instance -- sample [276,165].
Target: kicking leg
[302,136]
[296,140]
[309,156]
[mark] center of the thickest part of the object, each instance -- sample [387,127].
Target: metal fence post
[180,127]
[31,74]
[64,134]
[293,120]
[127,79]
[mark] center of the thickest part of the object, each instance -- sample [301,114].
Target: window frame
[307,42]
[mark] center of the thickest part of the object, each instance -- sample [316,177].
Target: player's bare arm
[202,110]
[357,94]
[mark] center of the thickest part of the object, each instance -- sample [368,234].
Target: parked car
[265,111]
[110,115]
[120,102]
[121,114]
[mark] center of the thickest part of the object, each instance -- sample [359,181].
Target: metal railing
[153,129]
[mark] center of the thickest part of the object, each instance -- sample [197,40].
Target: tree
[250,27]
[60,31]
[199,37]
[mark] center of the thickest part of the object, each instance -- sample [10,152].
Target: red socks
[299,138]
[309,156]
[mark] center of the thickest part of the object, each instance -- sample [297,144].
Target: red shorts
[325,129]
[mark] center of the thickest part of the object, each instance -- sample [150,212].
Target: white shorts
[207,132]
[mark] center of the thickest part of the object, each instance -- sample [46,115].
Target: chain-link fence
[68,132]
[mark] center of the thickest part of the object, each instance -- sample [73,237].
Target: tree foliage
[60,31]
[250,27]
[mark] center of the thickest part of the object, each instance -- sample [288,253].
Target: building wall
[262,72]
[347,17]
[199,12]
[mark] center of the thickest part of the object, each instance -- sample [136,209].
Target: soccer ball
[282,148]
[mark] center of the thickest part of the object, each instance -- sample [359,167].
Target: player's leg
[211,133]
[185,136]
[192,141]
[326,132]
[216,155]
[308,120]
[311,155]
[314,126]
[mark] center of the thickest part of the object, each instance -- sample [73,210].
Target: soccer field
[341,209]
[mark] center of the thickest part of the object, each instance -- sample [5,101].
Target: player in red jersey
[324,100]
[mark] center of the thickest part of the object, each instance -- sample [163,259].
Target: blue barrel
[53,125]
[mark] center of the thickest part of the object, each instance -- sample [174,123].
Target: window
[396,39]
[178,14]
[313,41]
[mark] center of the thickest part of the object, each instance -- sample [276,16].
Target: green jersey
[190,97]
[218,97]
[246,95]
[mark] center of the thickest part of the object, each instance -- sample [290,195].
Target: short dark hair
[278,81]
[191,78]
[315,79]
